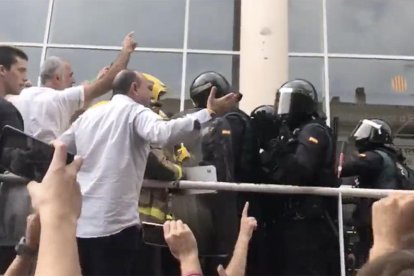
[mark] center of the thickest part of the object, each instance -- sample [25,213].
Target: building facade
[357,53]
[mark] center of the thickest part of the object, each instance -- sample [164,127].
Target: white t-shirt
[47,112]
[114,141]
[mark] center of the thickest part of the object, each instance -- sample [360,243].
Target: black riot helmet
[372,132]
[202,84]
[264,123]
[265,111]
[296,100]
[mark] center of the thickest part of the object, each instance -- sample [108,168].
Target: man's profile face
[16,77]
[68,76]
[144,91]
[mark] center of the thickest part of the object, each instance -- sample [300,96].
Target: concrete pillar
[263,50]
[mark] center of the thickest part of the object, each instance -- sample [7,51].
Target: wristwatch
[23,249]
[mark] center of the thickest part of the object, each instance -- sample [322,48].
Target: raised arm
[237,265]
[58,201]
[183,247]
[104,84]
[157,131]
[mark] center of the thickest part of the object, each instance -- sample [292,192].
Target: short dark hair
[8,55]
[123,81]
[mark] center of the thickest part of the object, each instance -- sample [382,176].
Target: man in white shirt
[47,110]
[114,140]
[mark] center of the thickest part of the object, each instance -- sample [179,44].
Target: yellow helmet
[158,89]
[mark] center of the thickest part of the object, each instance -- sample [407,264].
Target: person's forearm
[237,265]
[58,251]
[190,266]
[22,265]
[104,84]
[380,250]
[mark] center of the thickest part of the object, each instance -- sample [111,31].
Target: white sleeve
[68,138]
[157,131]
[71,99]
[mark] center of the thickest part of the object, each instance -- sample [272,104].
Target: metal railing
[343,191]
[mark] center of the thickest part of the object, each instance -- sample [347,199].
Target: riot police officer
[228,143]
[242,156]
[201,86]
[376,164]
[265,124]
[300,229]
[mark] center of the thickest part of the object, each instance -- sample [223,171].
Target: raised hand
[129,43]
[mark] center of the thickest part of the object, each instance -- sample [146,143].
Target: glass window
[305,26]
[226,65]
[165,66]
[157,23]
[214,24]
[34,55]
[168,68]
[310,69]
[370,27]
[23,20]
[372,89]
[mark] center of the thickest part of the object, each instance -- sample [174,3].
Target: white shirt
[114,140]
[47,112]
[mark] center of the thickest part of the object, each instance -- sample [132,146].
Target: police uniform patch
[226,132]
[313,140]
[363,155]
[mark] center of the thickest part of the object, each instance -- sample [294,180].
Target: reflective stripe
[152,212]
[179,171]
[99,104]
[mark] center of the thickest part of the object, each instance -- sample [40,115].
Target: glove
[181,153]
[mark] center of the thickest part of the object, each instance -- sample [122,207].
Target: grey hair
[52,65]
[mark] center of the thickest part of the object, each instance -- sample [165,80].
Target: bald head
[134,85]
[123,81]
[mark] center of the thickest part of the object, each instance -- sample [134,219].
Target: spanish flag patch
[226,132]
[313,140]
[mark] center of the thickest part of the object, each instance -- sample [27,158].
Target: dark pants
[117,254]
[303,247]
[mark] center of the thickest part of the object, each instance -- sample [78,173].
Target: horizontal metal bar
[212,52]
[112,48]
[352,56]
[359,56]
[249,187]
[203,51]
[294,54]
[23,44]
[272,188]
[117,48]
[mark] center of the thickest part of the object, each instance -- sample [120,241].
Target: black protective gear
[265,124]
[297,100]
[371,134]
[201,86]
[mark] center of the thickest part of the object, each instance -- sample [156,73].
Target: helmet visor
[201,88]
[365,129]
[284,100]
